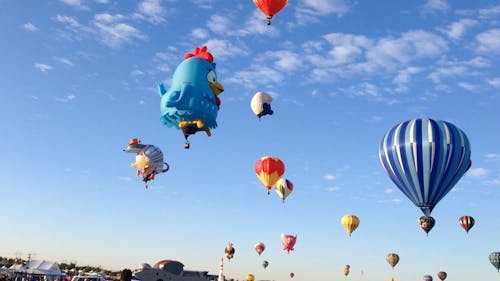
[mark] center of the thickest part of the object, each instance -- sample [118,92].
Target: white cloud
[404,77]
[365,89]
[199,33]
[432,6]
[43,67]
[488,42]
[67,20]
[282,60]
[125,178]
[333,188]
[204,4]
[411,46]
[224,49]
[457,68]
[396,200]
[102,1]
[491,182]
[468,86]
[375,119]
[78,4]
[68,98]
[347,47]
[329,177]
[389,190]
[493,156]
[490,13]
[64,61]
[30,27]
[478,172]
[308,11]
[151,11]
[458,29]
[113,32]
[494,82]
[255,24]
[219,24]
[256,75]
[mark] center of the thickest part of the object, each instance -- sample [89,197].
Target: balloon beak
[216,87]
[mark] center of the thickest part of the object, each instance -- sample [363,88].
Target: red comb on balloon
[201,53]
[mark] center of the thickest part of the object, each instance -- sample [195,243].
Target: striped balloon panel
[425,158]
[155,155]
[467,222]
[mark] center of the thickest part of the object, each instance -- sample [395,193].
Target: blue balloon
[191,103]
[425,158]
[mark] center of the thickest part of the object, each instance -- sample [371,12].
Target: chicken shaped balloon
[288,241]
[191,104]
[148,160]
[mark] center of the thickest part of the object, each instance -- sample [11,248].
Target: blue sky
[80,78]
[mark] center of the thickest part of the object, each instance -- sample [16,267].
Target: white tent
[38,267]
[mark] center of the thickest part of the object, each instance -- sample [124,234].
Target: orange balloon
[270,7]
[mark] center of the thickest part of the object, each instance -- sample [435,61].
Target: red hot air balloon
[259,248]
[269,170]
[270,7]
[467,222]
[288,241]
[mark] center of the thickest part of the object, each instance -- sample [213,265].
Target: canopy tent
[38,267]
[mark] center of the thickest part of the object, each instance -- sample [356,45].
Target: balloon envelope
[467,222]
[269,170]
[270,7]
[495,260]
[350,223]
[442,275]
[261,104]
[284,187]
[265,264]
[288,241]
[259,248]
[229,251]
[427,278]
[392,259]
[250,277]
[426,223]
[425,158]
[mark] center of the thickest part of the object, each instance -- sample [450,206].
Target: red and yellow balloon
[269,170]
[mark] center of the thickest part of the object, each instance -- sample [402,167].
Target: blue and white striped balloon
[425,158]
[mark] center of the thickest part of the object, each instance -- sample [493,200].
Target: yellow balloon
[350,223]
[250,277]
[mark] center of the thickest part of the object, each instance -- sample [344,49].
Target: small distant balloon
[442,275]
[288,242]
[265,264]
[495,260]
[250,277]
[259,248]
[350,223]
[229,251]
[270,7]
[292,274]
[426,223]
[467,222]
[284,187]
[427,278]
[392,259]
[261,104]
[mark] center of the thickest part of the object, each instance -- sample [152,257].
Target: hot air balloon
[270,7]
[495,260]
[392,259]
[284,187]
[427,278]
[426,223]
[265,264]
[192,103]
[269,170]
[292,274]
[229,251]
[261,104]
[288,241]
[250,277]
[467,222]
[425,158]
[442,275]
[259,248]
[350,223]
[148,160]
[346,270]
